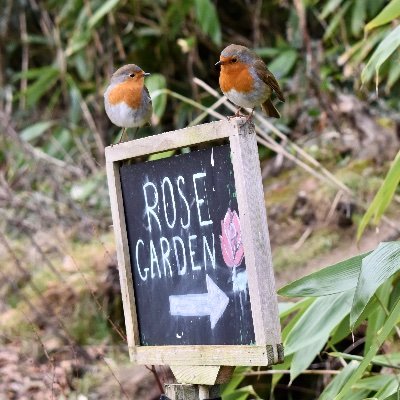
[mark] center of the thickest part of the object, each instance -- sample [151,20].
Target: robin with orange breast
[246,81]
[127,100]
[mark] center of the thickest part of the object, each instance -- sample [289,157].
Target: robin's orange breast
[129,92]
[236,76]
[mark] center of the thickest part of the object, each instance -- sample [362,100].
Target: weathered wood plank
[205,355]
[172,140]
[124,264]
[255,236]
[203,375]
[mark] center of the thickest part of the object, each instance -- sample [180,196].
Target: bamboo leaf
[283,63]
[330,7]
[102,12]
[358,16]
[377,318]
[317,322]
[41,86]
[388,14]
[382,335]
[382,53]
[207,16]
[338,382]
[36,130]
[156,83]
[336,278]
[383,197]
[337,18]
[305,356]
[373,383]
[390,360]
[376,268]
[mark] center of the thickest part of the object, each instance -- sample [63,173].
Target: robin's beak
[218,63]
[146,74]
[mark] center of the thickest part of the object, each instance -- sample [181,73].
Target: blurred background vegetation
[338,63]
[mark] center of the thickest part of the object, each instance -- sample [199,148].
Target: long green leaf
[383,197]
[386,360]
[318,321]
[382,335]
[330,6]
[283,63]
[381,54]
[377,318]
[41,86]
[102,12]
[373,383]
[336,278]
[302,358]
[156,83]
[338,382]
[207,16]
[388,14]
[358,16]
[36,130]
[376,268]
[237,378]
[389,389]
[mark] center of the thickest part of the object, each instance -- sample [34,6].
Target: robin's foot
[237,114]
[250,117]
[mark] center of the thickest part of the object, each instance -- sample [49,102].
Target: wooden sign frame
[267,349]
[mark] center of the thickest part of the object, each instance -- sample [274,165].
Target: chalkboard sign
[186,251]
[193,248]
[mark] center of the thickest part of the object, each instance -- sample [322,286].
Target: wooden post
[191,392]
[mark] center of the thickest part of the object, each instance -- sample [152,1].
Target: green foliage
[336,278]
[385,49]
[388,14]
[36,130]
[338,310]
[383,197]
[376,268]
[207,16]
[233,391]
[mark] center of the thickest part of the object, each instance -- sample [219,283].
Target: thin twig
[115,377]
[153,370]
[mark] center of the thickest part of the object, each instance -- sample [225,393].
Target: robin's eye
[234,60]
[132,75]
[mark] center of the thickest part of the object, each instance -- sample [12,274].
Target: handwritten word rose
[231,239]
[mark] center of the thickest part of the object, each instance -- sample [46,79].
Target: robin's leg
[250,116]
[237,114]
[122,135]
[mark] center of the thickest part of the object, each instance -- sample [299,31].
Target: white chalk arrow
[212,303]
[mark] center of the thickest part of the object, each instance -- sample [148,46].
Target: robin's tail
[270,109]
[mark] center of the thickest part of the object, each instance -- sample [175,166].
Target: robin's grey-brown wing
[268,78]
[148,94]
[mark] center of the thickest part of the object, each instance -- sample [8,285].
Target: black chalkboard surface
[188,265]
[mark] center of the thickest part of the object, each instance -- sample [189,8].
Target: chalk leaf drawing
[231,239]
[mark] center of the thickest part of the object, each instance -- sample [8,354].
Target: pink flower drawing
[231,239]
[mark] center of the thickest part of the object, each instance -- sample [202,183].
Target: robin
[127,100]
[246,81]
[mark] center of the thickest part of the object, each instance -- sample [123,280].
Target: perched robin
[246,81]
[127,100]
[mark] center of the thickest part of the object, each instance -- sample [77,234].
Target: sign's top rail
[174,139]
